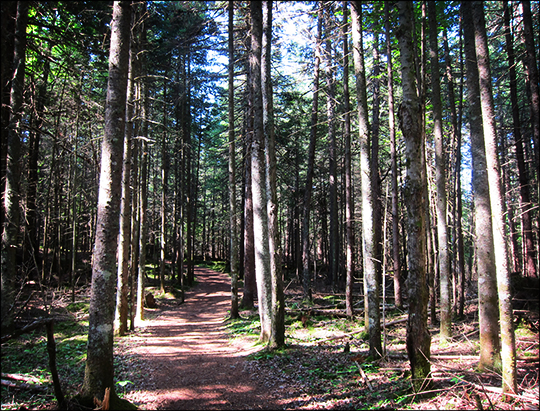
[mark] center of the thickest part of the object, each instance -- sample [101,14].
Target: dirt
[183,358]
[186,359]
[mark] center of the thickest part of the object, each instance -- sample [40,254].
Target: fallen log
[24,386]
[51,350]
[20,377]
[334,312]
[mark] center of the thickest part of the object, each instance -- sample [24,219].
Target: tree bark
[277,331]
[440,172]
[11,193]
[501,256]
[232,173]
[393,158]
[124,239]
[306,269]
[488,313]
[99,371]
[258,173]
[333,255]
[369,249]
[349,206]
[250,284]
[529,258]
[531,63]
[418,339]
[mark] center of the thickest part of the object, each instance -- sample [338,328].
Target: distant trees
[304,150]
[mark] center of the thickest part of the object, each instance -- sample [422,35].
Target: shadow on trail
[190,361]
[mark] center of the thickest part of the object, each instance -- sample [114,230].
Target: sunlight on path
[190,362]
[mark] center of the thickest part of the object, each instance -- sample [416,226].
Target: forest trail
[188,361]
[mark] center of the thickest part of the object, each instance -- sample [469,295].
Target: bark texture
[418,338]
[99,372]
[508,346]
[488,312]
[369,248]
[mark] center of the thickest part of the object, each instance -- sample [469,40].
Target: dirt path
[189,362]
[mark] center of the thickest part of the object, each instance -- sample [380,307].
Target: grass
[27,356]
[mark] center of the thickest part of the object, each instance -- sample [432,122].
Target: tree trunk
[163,205]
[258,173]
[7,27]
[501,256]
[333,255]
[277,331]
[488,313]
[250,283]
[393,158]
[11,194]
[99,372]
[124,239]
[143,208]
[440,171]
[531,63]
[459,252]
[306,269]
[232,173]
[349,206]
[529,258]
[369,249]
[418,339]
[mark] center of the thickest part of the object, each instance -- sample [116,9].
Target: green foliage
[249,325]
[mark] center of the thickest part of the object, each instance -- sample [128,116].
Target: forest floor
[191,356]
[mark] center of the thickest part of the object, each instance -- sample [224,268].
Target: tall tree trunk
[369,249]
[531,63]
[11,194]
[188,173]
[143,193]
[349,206]
[163,205]
[459,252]
[374,162]
[30,243]
[333,256]
[529,258]
[418,338]
[250,283]
[488,313]
[306,269]
[258,173]
[124,239]
[501,256]
[232,173]
[7,26]
[277,331]
[99,371]
[393,158]
[440,172]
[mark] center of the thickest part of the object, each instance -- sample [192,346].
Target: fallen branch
[51,349]
[528,359]
[334,312]
[364,376]
[26,329]
[20,377]
[454,357]
[24,386]
[337,337]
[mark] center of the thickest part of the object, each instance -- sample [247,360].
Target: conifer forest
[270,204]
